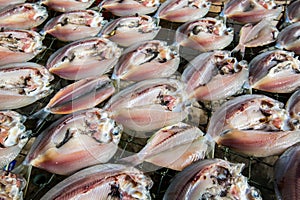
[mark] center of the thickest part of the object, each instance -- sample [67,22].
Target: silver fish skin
[149,105]
[12,186]
[75,25]
[204,34]
[287,177]
[126,31]
[67,5]
[260,34]
[183,10]
[13,136]
[22,16]
[275,71]
[22,84]
[130,7]
[251,11]
[289,38]
[293,107]
[254,125]
[81,95]
[103,182]
[214,76]
[211,179]
[19,45]
[75,141]
[84,58]
[293,12]
[5,3]
[146,60]
[174,147]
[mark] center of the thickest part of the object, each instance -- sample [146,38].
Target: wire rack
[258,170]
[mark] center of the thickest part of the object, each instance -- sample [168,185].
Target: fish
[19,45]
[276,71]
[23,16]
[67,5]
[251,11]
[13,136]
[123,8]
[22,84]
[211,179]
[293,12]
[254,125]
[260,34]
[75,25]
[5,3]
[289,38]
[75,141]
[205,34]
[80,95]
[286,174]
[149,105]
[293,107]
[183,10]
[126,31]
[146,60]
[12,186]
[84,58]
[174,147]
[102,182]
[214,76]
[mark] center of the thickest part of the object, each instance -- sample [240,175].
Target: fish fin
[41,115]
[132,160]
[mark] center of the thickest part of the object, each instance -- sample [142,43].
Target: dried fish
[11,186]
[127,31]
[67,5]
[293,107]
[107,181]
[204,34]
[211,179]
[19,46]
[214,76]
[13,136]
[75,141]
[174,147]
[22,84]
[261,34]
[255,125]
[130,7]
[293,11]
[84,58]
[150,105]
[5,3]
[275,71]
[289,38]
[287,175]
[23,16]
[75,25]
[183,10]
[251,11]
[146,60]
[80,95]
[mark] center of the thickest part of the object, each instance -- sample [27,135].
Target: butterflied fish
[12,186]
[103,182]
[13,136]
[255,125]
[146,60]
[22,84]
[84,58]
[204,34]
[289,38]
[75,25]
[75,141]
[211,179]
